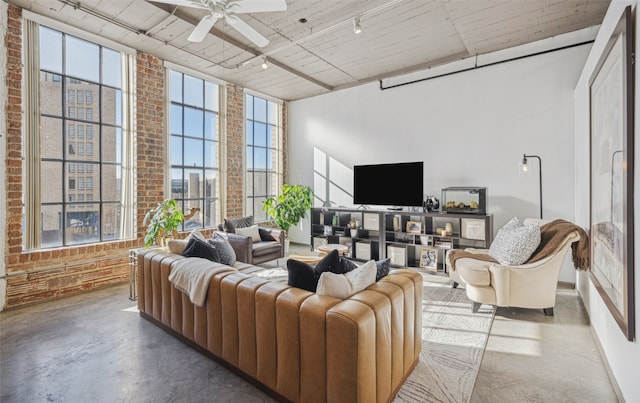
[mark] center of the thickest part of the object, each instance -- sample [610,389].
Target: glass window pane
[177,184]
[111,144]
[193,91]
[195,221]
[260,109]
[259,183]
[272,117]
[51,137]
[210,154]
[193,152]
[260,159]
[176,150]
[249,106]
[258,214]
[111,106]
[111,68]
[82,59]
[210,125]
[211,184]
[175,79]
[83,223]
[211,212]
[194,183]
[51,181]
[50,95]
[211,94]
[260,134]
[176,119]
[51,225]
[249,157]
[111,221]
[50,50]
[249,132]
[193,122]
[111,182]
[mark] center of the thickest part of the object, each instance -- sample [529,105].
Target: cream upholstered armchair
[530,285]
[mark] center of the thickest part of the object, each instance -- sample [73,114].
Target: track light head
[264,64]
[356,25]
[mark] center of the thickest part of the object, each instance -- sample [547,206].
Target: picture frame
[611,161]
[414,227]
[429,258]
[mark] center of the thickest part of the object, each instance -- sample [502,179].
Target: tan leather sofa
[294,344]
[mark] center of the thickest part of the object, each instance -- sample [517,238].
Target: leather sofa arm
[241,245]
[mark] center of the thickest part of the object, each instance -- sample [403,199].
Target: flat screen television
[388,184]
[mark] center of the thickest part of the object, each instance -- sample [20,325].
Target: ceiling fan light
[357,28]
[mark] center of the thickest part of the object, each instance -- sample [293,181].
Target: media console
[409,239]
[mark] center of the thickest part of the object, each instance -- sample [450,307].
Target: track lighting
[356,25]
[264,64]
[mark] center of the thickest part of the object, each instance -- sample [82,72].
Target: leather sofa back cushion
[345,285]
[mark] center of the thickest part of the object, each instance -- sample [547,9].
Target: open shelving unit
[402,236]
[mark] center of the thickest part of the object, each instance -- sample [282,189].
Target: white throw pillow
[177,246]
[251,231]
[196,234]
[345,285]
[514,243]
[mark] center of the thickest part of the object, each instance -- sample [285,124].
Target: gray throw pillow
[514,243]
[230,224]
[226,254]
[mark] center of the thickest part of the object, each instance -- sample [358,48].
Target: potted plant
[287,209]
[163,221]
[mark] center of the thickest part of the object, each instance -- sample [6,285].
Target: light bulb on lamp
[525,165]
[264,64]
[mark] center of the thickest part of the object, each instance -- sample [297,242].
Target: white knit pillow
[514,243]
[345,285]
[251,231]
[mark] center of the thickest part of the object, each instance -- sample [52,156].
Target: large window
[74,167]
[264,153]
[194,144]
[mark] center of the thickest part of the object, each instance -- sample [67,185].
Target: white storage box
[318,242]
[363,251]
[472,228]
[371,221]
[397,255]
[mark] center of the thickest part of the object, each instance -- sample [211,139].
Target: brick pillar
[150,135]
[234,152]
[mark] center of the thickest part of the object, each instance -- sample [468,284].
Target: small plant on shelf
[163,221]
[287,209]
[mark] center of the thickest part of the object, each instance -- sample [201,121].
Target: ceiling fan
[228,9]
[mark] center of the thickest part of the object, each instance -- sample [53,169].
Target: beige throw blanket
[551,236]
[192,276]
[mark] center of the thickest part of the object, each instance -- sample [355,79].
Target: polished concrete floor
[94,347]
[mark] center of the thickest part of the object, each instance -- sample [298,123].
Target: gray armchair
[269,247]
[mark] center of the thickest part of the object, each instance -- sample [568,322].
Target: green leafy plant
[287,209]
[163,220]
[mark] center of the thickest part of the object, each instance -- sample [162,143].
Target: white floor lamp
[525,168]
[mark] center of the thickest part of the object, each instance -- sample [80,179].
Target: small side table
[133,274]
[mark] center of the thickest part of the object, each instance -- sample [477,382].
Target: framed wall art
[611,175]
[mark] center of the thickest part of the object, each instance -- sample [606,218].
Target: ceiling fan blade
[256,6]
[202,29]
[184,3]
[246,30]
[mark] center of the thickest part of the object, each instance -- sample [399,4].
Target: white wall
[621,355]
[3,151]
[469,128]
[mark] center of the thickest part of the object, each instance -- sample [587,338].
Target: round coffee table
[342,249]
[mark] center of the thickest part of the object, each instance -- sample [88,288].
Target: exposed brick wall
[235,151]
[150,135]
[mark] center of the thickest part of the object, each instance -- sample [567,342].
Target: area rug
[453,342]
